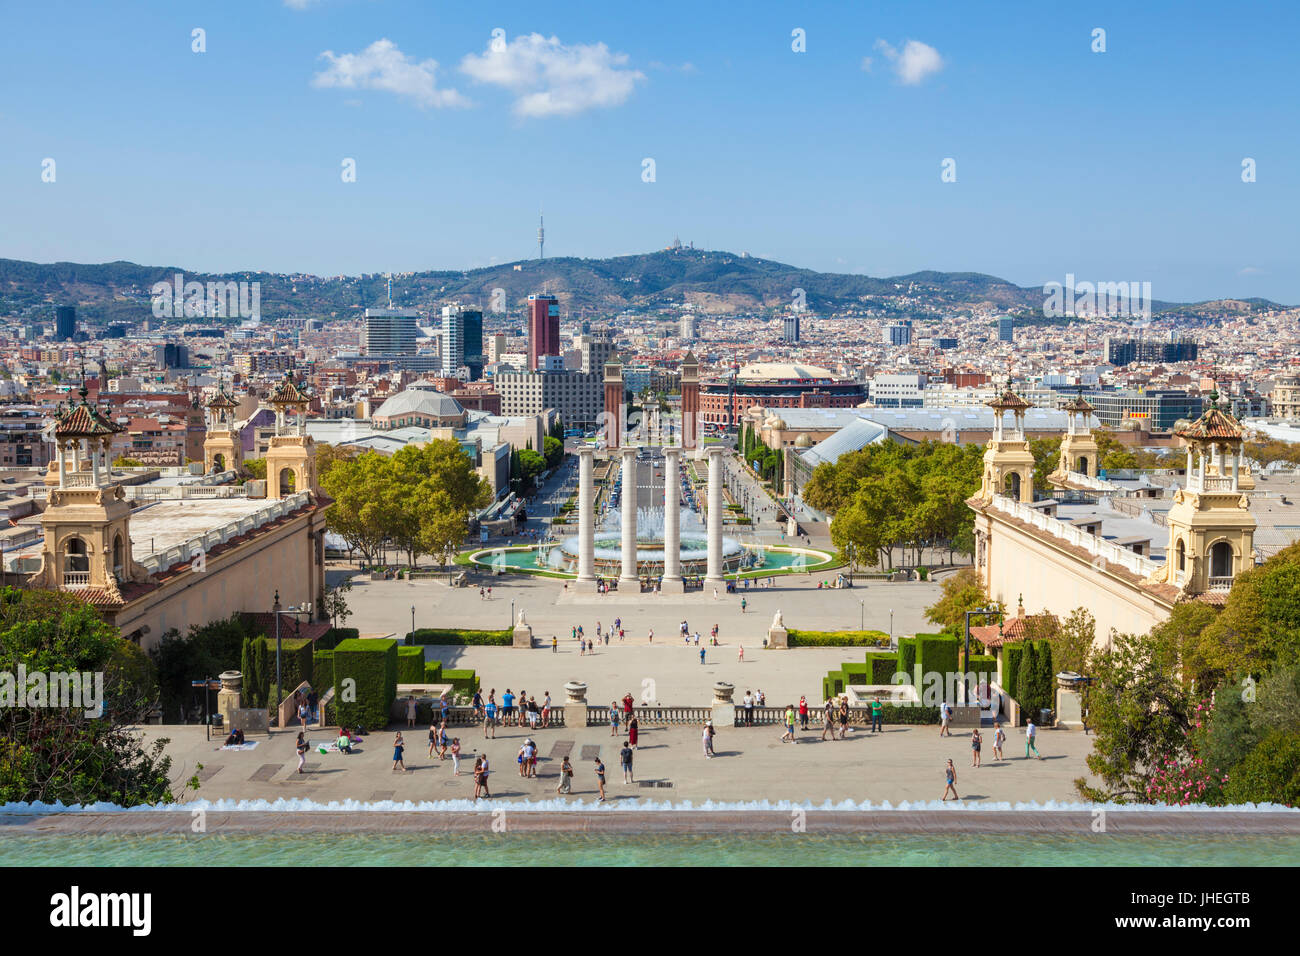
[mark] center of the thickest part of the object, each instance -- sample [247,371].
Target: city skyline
[1118,165]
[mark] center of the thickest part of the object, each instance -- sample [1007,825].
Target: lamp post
[412,638]
[891,627]
[275,609]
[862,618]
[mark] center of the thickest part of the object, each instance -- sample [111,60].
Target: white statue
[522,621]
[777,621]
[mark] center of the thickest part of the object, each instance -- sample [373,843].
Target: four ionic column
[713,575]
[628,576]
[586,517]
[672,580]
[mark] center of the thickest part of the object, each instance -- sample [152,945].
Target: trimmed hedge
[433,672]
[296,655]
[982,664]
[881,668]
[461,636]
[322,671]
[907,657]
[331,638]
[410,665]
[465,681]
[837,638]
[372,664]
[937,654]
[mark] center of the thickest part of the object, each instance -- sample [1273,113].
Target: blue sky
[1122,165]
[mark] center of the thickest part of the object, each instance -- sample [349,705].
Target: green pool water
[526,558]
[506,849]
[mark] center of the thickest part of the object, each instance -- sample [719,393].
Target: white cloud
[916,61]
[299,4]
[866,64]
[552,79]
[382,66]
[1251,271]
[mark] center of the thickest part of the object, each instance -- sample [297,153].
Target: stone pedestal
[778,637]
[1069,709]
[724,711]
[586,518]
[713,574]
[523,633]
[575,704]
[229,697]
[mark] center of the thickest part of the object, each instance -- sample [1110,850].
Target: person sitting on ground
[235,739]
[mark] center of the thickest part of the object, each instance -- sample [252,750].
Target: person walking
[877,716]
[433,740]
[789,724]
[652,635]
[600,780]
[741,655]
[844,717]
[945,715]
[975,742]
[301,748]
[555,644]
[566,776]
[484,772]
[613,718]
[633,732]
[950,775]
[828,719]
[701,655]
[744,603]
[1031,736]
[455,756]
[625,761]
[398,748]
[999,738]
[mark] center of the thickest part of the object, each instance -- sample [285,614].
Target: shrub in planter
[1011,654]
[904,714]
[410,665]
[882,668]
[907,657]
[937,654]
[330,639]
[372,665]
[322,666]
[433,672]
[797,638]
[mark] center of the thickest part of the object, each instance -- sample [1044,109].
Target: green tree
[1140,713]
[62,754]
[255,468]
[554,451]
[959,593]
[1072,645]
[1269,774]
[1026,683]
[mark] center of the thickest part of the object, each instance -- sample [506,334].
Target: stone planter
[724,711]
[575,694]
[722,692]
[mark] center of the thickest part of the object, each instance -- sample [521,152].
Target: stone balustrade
[1139,564]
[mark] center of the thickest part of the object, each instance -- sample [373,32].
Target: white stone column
[713,576]
[586,517]
[672,581]
[627,575]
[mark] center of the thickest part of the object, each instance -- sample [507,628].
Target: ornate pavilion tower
[1008,463]
[87,518]
[1079,452]
[222,448]
[291,457]
[1211,529]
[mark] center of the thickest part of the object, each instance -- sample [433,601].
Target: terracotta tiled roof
[1215,424]
[288,393]
[1013,629]
[1008,399]
[222,400]
[83,420]
[290,626]
[1079,404]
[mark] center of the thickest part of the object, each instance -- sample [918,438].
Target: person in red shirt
[803,712]
[627,709]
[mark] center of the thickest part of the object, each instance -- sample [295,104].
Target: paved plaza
[902,763]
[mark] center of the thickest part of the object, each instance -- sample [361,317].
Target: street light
[862,617]
[412,640]
[891,627]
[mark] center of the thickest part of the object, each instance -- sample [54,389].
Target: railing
[79,479]
[76,579]
[172,492]
[1214,483]
[179,554]
[1111,553]
[652,716]
[1221,583]
[764,716]
[1100,484]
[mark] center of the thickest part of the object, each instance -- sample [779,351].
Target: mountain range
[716,282]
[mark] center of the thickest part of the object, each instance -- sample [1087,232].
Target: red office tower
[543,328]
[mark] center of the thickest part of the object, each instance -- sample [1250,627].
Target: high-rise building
[689,328]
[65,322]
[898,334]
[1125,351]
[462,340]
[1006,329]
[945,343]
[790,328]
[543,328]
[390,332]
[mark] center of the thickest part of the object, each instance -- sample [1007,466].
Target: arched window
[287,481]
[218,462]
[1012,485]
[1083,465]
[118,555]
[76,562]
[1221,560]
[1181,552]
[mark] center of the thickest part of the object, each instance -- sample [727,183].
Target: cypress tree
[1025,679]
[263,674]
[1044,678]
[246,667]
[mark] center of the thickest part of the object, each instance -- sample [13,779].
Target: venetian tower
[291,457]
[87,518]
[222,448]
[1211,529]
[1008,463]
[1079,452]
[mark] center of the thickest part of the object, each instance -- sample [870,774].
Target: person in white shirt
[1031,732]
